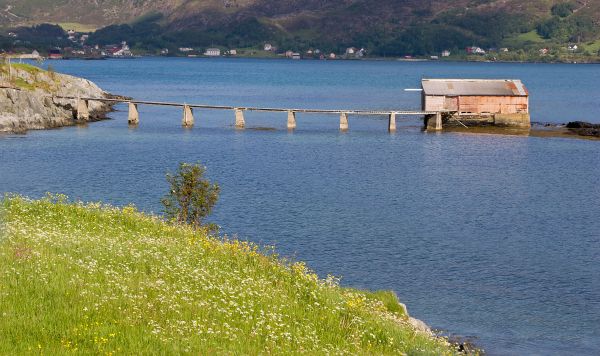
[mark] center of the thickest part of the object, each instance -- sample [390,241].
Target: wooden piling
[392,122]
[133,118]
[343,121]
[291,121]
[83,111]
[240,123]
[188,116]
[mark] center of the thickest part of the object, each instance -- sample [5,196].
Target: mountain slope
[197,12]
[385,27]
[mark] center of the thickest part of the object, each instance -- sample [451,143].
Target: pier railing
[82,108]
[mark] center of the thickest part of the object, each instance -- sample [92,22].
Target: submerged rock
[28,99]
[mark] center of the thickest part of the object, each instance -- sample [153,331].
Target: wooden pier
[82,108]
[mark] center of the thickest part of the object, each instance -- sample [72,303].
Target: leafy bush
[576,28]
[563,9]
[191,197]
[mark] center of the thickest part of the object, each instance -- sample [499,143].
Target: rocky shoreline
[28,99]
[574,130]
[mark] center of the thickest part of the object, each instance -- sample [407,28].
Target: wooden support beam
[83,111]
[392,122]
[188,116]
[343,121]
[133,118]
[240,123]
[291,121]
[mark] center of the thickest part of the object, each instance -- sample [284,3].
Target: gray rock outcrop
[27,99]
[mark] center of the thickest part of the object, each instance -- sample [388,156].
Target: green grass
[531,36]
[33,81]
[592,47]
[87,278]
[77,27]
[27,68]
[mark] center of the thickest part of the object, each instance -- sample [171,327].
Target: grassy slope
[28,77]
[101,279]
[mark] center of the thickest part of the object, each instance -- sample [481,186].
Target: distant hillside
[384,27]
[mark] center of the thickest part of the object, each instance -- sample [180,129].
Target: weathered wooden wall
[478,104]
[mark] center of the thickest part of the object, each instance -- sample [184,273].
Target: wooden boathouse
[496,102]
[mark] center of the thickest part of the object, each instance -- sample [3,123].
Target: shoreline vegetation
[92,278]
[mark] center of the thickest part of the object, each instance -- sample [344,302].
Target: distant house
[212,52]
[350,51]
[268,47]
[572,48]
[122,51]
[360,53]
[475,50]
[164,51]
[434,58]
[332,55]
[544,51]
[503,49]
[185,49]
[55,53]
[446,53]
[296,55]
[289,54]
[233,52]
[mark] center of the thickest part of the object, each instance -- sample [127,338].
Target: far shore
[373,59]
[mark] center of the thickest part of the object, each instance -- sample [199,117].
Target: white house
[212,52]
[475,50]
[268,47]
[123,51]
[350,51]
[446,53]
[572,48]
[233,52]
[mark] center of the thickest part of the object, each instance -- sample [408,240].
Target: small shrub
[191,197]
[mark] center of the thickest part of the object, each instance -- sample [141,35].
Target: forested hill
[383,27]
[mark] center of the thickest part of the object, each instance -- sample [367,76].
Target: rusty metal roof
[474,87]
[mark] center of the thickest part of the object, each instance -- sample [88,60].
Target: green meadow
[81,278]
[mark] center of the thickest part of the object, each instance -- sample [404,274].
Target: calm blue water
[493,237]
